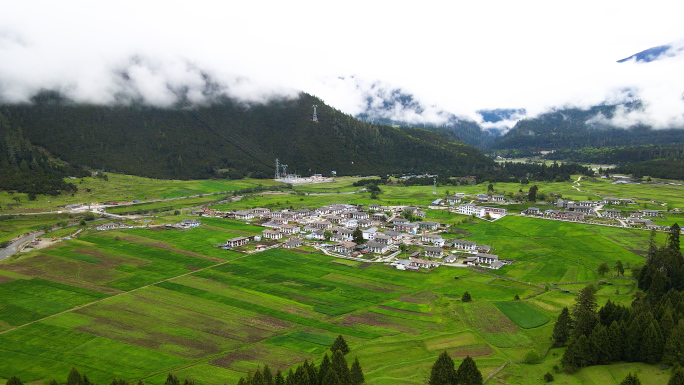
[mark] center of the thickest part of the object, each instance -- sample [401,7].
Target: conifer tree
[357,373]
[53,382]
[257,378]
[242,381]
[561,330]
[340,344]
[468,373]
[677,377]
[86,381]
[584,313]
[603,269]
[617,342]
[442,372]
[631,379]
[323,368]
[600,345]
[279,380]
[290,380]
[313,373]
[653,344]
[186,381]
[268,376]
[576,354]
[466,297]
[339,365]
[673,238]
[674,348]
[14,380]
[357,236]
[172,380]
[619,268]
[331,378]
[74,377]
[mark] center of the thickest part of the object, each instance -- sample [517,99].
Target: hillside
[574,128]
[229,139]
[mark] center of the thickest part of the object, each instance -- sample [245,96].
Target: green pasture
[121,187]
[280,307]
[523,314]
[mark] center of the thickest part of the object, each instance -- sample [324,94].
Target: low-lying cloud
[360,58]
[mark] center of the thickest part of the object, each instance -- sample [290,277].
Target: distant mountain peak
[656,53]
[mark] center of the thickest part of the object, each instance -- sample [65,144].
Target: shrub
[548,377]
[532,357]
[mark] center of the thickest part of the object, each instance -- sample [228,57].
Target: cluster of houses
[481,211]
[383,228]
[113,226]
[185,224]
[578,211]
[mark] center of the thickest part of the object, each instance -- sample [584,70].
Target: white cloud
[451,56]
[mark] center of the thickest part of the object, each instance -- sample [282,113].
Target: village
[400,236]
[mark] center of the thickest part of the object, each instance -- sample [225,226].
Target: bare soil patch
[405,311]
[412,300]
[364,266]
[638,252]
[478,350]
[4,279]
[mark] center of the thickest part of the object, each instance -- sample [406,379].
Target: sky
[453,56]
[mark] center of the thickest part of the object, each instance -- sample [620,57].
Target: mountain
[233,139]
[656,53]
[396,107]
[575,128]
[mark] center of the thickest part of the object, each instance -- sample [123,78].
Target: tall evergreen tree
[268,376]
[331,378]
[617,341]
[674,347]
[601,347]
[584,313]
[468,373]
[357,373]
[357,236]
[279,379]
[577,354]
[442,372]
[323,368]
[466,297]
[290,380]
[653,344]
[631,379]
[313,373]
[172,380]
[340,344]
[258,378]
[673,238]
[677,377]
[619,268]
[14,381]
[74,377]
[561,330]
[339,365]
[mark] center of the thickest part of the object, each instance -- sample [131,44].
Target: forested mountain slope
[233,139]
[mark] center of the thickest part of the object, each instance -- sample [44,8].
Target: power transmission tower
[315,116]
[434,186]
[277,174]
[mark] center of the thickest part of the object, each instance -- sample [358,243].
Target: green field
[140,303]
[120,187]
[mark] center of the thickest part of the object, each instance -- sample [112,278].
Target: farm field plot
[554,251]
[152,312]
[523,314]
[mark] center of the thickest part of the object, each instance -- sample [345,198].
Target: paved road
[14,246]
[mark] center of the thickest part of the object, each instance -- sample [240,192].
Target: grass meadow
[140,303]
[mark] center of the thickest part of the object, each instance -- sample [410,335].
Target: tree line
[26,168]
[651,330]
